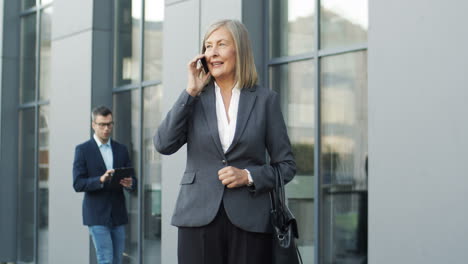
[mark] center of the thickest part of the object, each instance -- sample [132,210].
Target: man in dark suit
[104,210]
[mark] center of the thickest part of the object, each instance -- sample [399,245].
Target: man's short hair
[100,110]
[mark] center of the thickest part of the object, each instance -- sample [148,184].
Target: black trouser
[220,242]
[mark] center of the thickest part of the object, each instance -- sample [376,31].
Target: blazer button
[224,162]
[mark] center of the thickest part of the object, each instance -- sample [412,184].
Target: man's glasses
[102,125]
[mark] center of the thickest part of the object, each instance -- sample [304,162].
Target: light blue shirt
[106,152]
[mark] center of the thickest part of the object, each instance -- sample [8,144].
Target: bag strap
[278,195]
[273,193]
[280,184]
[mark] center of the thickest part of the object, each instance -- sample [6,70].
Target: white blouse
[227,129]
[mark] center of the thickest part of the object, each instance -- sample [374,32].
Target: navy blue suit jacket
[102,205]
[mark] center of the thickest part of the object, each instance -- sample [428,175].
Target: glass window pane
[345,231]
[344,119]
[127,42]
[344,156]
[46,23]
[25,4]
[295,84]
[126,131]
[154,15]
[342,22]
[43,221]
[152,176]
[291,27]
[26,186]
[28,58]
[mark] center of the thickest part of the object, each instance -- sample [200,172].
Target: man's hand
[106,176]
[233,177]
[126,182]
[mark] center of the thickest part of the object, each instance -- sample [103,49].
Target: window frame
[140,85]
[35,104]
[317,54]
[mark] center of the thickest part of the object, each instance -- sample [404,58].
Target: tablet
[119,174]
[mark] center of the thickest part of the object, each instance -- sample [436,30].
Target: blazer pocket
[189,178]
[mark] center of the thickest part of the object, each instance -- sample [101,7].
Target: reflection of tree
[329,163]
[304,155]
[332,161]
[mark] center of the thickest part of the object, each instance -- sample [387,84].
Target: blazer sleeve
[172,133]
[278,147]
[82,182]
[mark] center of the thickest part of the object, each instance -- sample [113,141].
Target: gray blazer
[260,130]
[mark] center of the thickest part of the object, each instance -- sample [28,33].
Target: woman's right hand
[197,78]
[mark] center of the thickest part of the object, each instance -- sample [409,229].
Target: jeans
[109,242]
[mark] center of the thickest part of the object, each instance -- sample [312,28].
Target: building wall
[418,152]
[70,106]
[184,26]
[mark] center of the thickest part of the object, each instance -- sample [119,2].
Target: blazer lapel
[246,103]
[98,154]
[208,100]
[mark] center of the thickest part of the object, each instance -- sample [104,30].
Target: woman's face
[221,55]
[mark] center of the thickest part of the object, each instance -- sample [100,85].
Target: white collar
[99,143]
[235,89]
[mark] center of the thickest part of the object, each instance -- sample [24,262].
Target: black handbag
[284,224]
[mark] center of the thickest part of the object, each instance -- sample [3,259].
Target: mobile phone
[204,64]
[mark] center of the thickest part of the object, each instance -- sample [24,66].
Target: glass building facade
[33,106]
[137,95]
[317,62]
[315,57]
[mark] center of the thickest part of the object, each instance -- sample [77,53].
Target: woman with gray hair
[229,124]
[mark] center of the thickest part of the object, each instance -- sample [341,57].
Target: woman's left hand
[233,177]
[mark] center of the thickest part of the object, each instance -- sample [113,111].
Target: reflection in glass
[291,27]
[25,4]
[46,26]
[28,58]
[152,176]
[26,186]
[154,15]
[126,131]
[127,42]
[345,233]
[295,84]
[43,221]
[343,157]
[342,22]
